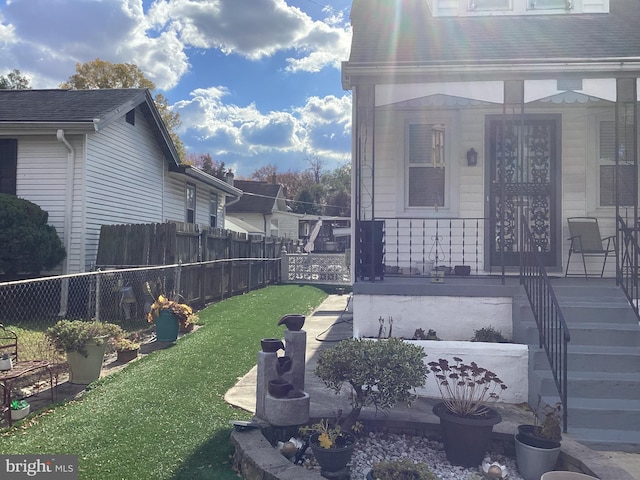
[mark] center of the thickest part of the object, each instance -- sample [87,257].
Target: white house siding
[579,168]
[287,225]
[42,179]
[124,179]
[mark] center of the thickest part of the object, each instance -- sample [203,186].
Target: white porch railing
[320,268]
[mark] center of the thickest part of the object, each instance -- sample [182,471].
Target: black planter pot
[333,459]
[465,439]
[527,435]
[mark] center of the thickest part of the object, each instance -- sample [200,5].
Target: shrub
[490,335]
[29,245]
[381,373]
[73,335]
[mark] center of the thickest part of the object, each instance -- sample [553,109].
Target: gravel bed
[376,447]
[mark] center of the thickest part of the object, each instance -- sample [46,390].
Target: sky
[256,82]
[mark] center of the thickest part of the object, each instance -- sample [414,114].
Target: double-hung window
[481,5]
[607,166]
[426,168]
[548,4]
[190,201]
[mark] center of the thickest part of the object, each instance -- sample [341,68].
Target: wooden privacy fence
[171,243]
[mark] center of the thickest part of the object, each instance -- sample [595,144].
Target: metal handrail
[553,333]
[627,271]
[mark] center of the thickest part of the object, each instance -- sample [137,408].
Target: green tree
[305,203]
[27,244]
[102,74]
[14,80]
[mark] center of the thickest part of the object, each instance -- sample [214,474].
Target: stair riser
[620,389]
[585,362]
[584,336]
[606,419]
[598,315]
[588,336]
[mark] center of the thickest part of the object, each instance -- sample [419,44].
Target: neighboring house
[472,118]
[100,157]
[264,206]
[333,233]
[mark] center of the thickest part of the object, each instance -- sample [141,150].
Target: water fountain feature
[280,396]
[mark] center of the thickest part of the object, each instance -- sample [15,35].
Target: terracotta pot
[125,356]
[465,440]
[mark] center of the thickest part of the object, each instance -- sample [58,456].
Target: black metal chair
[586,240]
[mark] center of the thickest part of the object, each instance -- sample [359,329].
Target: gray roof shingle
[54,106]
[396,31]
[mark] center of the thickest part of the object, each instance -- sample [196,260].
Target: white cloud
[322,127]
[265,28]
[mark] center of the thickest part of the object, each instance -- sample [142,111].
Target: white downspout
[68,218]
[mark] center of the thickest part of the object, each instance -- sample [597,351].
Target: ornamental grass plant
[164,417]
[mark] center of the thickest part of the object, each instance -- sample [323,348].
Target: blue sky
[256,82]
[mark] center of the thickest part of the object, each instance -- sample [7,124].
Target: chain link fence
[121,296]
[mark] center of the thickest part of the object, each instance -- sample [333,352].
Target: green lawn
[164,417]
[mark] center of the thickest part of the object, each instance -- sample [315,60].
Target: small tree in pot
[380,373]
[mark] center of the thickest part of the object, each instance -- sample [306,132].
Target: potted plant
[332,446]
[84,344]
[19,409]
[466,421]
[126,349]
[538,445]
[379,373]
[169,317]
[403,469]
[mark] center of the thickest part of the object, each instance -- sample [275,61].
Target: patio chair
[586,240]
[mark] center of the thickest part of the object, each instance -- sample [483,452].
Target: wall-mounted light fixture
[472,157]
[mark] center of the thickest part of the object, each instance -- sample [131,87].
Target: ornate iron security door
[522,182]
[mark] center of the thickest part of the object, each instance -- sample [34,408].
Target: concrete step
[594,358]
[598,314]
[601,439]
[595,385]
[608,414]
[619,334]
[592,334]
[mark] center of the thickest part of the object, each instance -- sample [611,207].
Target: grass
[164,417]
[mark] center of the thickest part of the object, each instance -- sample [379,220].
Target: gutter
[354,73]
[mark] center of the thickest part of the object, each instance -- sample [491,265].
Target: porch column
[626,181]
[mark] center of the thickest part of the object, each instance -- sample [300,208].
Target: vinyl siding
[42,179]
[124,179]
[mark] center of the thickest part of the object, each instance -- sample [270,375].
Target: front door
[523,176]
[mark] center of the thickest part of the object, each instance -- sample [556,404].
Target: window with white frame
[548,4]
[607,167]
[426,165]
[480,5]
[190,202]
[213,210]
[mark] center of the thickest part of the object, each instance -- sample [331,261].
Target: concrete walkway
[331,322]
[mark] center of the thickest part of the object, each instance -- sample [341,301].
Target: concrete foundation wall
[453,318]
